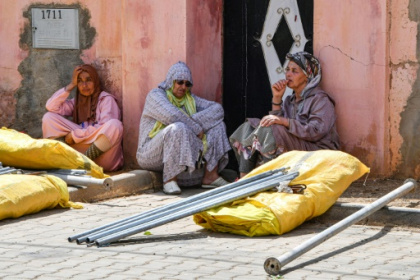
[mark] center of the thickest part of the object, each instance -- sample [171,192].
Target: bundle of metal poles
[8,170]
[106,234]
[74,177]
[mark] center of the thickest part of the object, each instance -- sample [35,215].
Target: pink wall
[154,38]
[10,57]
[204,47]
[350,40]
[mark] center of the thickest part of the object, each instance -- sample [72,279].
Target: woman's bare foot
[69,139]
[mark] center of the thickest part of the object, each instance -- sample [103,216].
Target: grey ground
[36,247]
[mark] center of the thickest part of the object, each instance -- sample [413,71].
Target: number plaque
[55,28]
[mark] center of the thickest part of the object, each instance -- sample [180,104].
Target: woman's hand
[273,119]
[77,70]
[278,90]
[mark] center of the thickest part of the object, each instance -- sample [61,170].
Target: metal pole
[9,170]
[81,237]
[204,206]
[273,265]
[84,181]
[6,170]
[180,207]
[75,172]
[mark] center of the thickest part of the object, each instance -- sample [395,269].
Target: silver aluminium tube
[180,207]
[81,237]
[84,181]
[267,185]
[69,171]
[10,170]
[273,265]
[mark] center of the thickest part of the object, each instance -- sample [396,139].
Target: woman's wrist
[69,87]
[276,102]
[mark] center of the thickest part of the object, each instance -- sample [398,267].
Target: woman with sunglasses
[182,135]
[304,121]
[95,128]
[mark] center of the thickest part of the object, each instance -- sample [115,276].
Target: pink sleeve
[107,110]
[58,103]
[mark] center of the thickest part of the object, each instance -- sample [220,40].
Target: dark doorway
[246,85]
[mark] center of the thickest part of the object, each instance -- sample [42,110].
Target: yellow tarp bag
[27,194]
[326,174]
[19,150]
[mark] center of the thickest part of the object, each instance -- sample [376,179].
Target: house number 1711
[51,14]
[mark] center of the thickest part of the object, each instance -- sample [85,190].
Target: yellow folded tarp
[19,150]
[327,174]
[27,194]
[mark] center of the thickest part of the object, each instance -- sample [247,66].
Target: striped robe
[176,149]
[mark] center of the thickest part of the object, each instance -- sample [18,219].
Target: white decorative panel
[278,9]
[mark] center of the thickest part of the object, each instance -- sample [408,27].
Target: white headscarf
[178,71]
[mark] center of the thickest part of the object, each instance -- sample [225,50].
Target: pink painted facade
[351,44]
[367,48]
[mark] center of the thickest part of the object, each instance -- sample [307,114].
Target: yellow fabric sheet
[19,150]
[327,174]
[27,194]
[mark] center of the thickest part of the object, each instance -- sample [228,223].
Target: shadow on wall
[44,71]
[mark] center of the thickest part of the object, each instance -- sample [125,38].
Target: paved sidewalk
[36,247]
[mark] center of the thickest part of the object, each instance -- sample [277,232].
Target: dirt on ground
[362,192]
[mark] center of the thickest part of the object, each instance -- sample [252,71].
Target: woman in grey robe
[182,134]
[304,121]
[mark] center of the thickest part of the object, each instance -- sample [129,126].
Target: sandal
[216,183]
[171,188]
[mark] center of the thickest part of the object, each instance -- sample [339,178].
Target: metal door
[257,36]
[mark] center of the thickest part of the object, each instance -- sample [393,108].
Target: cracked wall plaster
[410,117]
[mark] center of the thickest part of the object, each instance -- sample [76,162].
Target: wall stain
[7,108]
[410,117]
[366,151]
[44,71]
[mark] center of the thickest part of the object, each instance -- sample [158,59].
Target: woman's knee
[51,122]
[115,128]
[116,125]
[176,128]
[281,133]
[49,117]
[112,130]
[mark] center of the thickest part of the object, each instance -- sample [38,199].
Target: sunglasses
[181,82]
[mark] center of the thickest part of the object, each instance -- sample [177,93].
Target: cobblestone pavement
[36,247]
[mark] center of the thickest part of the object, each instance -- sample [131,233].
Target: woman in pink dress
[95,128]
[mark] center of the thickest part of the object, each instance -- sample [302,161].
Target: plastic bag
[27,194]
[326,175]
[19,150]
